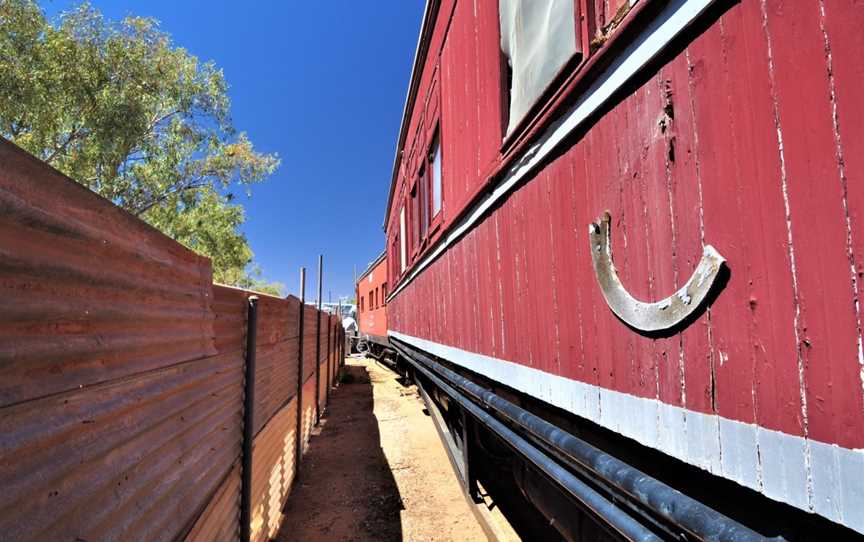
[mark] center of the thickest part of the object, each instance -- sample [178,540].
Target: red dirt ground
[377,471]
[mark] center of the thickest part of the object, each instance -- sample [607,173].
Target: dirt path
[377,471]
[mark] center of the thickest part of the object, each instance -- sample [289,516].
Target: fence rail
[121,375]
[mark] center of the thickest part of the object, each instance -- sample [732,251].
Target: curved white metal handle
[660,315]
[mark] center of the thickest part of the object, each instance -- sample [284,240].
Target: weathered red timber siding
[845,71]
[121,375]
[744,137]
[463,64]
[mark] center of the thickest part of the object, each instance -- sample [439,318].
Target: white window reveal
[537,38]
[436,175]
[402,237]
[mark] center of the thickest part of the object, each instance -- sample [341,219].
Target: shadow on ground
[345,490]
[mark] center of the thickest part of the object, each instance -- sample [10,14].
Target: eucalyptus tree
[120,108]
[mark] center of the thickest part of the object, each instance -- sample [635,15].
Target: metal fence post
[329,358]
[248,419]
[339,328]
[318,346]
[299,430]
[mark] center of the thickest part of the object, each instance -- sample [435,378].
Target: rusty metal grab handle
[659,315]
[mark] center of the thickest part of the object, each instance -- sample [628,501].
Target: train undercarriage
[554,477]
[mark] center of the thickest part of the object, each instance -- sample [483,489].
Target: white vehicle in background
[348,314]
[349,321]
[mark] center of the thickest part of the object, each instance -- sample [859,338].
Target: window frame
[423,203]
[436,217]
[414,222]
[583,24]
[403,256]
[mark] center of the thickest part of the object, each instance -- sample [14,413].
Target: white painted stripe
[668,24]
[770,462]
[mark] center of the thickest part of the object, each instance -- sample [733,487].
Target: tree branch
[76,134]
[201,183]
[158,120]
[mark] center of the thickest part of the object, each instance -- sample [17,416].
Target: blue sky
[323,85]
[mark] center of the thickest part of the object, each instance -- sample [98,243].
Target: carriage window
[537,40]
[435,157]
[415,218]
[394,258]
[423,203]
[402,239]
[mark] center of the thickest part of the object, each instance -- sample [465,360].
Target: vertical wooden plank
[694,355]
[486,278]
[844,41]
[631,254]
[753,322]
[457,283]
[524,302]
[487,58]
[538,281]
[501,350]
[655,126]
[565,237]
[507,264]
[587,370]
[472,323]
[828,327]
[715,155]
[601,169]
[657,233]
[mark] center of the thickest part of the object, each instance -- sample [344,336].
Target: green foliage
[119,108]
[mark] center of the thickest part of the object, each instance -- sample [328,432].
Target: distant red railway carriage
[372,307]
[715,149]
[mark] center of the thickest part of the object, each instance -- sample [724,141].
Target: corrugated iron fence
[122,376]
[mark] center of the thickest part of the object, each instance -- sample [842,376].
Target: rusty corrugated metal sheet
[310,320]
[273,470]
[322,385]
[113,408]
[274,464]
[275,379]
[276,357]
[88,293]
[276,360]
[136,458]
[322,361]
[121,373]
[277,318]
[308,419]
[220,520]
[229,322]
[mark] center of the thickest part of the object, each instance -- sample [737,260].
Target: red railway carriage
[372,308]
[713,148]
